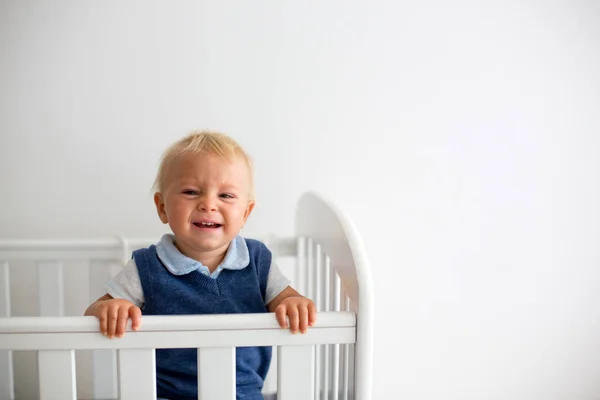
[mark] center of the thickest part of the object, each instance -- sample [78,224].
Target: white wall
[462,139]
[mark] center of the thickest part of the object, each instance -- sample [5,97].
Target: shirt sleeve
[276,283]
[126,285]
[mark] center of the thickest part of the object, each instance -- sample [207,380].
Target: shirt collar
[237,256]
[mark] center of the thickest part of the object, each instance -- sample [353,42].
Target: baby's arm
[113,314]
[300,310]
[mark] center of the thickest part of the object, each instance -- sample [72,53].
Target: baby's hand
[301,312]
[113,316]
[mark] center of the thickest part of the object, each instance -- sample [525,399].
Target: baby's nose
[207,204]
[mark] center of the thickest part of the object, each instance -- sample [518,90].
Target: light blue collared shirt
[237,257]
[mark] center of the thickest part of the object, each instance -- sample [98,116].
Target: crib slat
[350,359]
[326,270]
[345,350]
[137,374]
[57,374]
[216,373]
[318,257]
[336,347]
[7,391]
[50,288]
[311,293]
[6,371]
[104,374]
[295,372]
[309,269]
[301,266]
[5,289]
[104,362]
[326,283]
[318,265]
[345,372]
[51,304]
[351,370]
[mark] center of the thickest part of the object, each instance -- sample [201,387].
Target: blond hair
[203,141]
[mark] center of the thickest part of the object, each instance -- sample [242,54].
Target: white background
[463,140]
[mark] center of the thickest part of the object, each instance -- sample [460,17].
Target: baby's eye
[190,192]
[226,196]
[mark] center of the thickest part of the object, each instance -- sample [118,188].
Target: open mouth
[210,225]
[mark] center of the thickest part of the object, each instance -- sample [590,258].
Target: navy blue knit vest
[233,292]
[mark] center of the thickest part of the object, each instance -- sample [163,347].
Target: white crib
[332,361]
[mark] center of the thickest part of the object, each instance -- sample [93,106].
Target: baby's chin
[195,248]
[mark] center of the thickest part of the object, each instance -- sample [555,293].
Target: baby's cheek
[178,207]
[238,217]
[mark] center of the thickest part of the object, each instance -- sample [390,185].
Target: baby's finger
[136,317]
[280,313]
[312,314]
[303,317]
[103,318]
[122,321]
[292,313]
[113,315]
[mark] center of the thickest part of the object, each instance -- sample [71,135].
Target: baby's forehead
[233,167]
[222,160]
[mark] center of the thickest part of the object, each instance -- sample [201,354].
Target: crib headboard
[330,267]
[329,230]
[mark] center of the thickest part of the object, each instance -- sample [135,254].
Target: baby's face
[205,201]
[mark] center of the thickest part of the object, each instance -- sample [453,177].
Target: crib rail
[118,248]
[215,336]
[163,323]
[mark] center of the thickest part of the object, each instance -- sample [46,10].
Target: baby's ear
[249,209]
[160,207]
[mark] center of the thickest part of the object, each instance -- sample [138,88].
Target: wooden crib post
[104,362]
[56,368]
